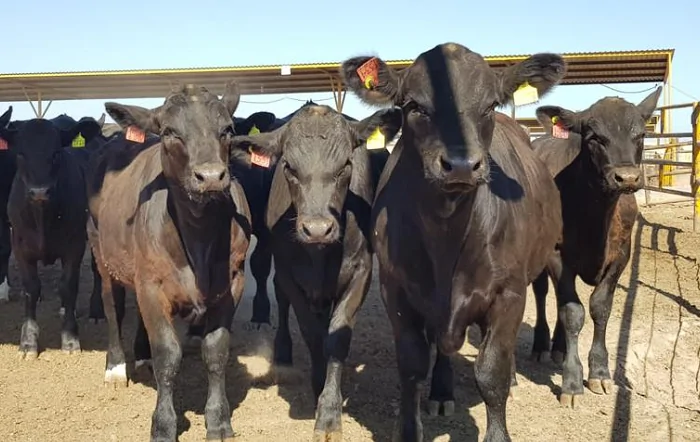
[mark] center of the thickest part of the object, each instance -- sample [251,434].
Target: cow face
[317,148]
[449,96]
[196,129]
[38,146]
[612,132]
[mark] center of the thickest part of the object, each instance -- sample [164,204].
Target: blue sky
[127,34]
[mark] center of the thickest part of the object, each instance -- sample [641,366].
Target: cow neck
[203,231]
[590,185]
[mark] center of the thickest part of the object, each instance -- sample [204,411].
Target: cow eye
[290,171]
[171,133]
[227,133]
[343,169]
[489,110]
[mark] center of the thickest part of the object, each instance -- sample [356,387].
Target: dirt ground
[653,338]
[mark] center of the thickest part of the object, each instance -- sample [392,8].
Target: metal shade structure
[583,68]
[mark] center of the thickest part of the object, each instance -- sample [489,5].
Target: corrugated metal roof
[583,68]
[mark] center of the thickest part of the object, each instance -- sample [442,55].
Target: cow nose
[627,178]
[462,169]
[39,194]
[317,229]
[211,177]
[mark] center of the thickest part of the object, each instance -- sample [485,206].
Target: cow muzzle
[626,179]
[317,229]
[210,177]
[461,172]
[39,195]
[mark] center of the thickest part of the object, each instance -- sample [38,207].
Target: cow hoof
[448,408]
[511,392]
[543,357]
[116,376]
[69,344]
[558,357]
[600,386]
[398,436]
[328,436]
[28,354]
[569,400]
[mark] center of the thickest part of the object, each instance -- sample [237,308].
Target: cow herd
[462,215]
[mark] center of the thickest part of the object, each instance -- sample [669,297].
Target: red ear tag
[259,159]
[558,130]
[3,144]
[369,73]
[135,134]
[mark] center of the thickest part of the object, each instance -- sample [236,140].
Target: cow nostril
[619,179]
[329,229]
[199,177]
[306,230]
[446,166]
[476,166]
[222,175]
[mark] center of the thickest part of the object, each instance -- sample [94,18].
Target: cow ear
[648,105]
[231,97]
[101,121]
[385,123]
[260,150]
[280,199]
[126,115]
[371,79]
[540,71]
[5,118]
[549,115]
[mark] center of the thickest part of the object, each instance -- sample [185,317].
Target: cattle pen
[653,333]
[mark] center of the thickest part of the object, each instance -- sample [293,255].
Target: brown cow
[168,222]
[465,217]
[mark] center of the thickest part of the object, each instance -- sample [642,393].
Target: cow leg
[5,252]
[142,346]
[96,307]
[114,301]
[442,382]
[167,355]
[68,289]
[215,353]
[29,340]
[493,368]
[328,427]
[260,265]
[599,380]
[413,361]
[570,317]
[541,341]
[283,339]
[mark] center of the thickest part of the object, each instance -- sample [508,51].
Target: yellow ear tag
[78,141]
[525,94]
[254,130]
[555,119]
[376,140]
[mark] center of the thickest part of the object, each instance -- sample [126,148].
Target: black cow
[256,182]
[597,170]
[465,217]
[47,209]
[167,221]
[7,174]
[319,213]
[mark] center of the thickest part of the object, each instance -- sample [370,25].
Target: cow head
[449,96]
[262,121]
[38,145]
[196,130]
[612,132]
[317,148]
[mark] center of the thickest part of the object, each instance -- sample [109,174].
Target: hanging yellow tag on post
[254,130]
[376,140]
[525,94]
[78,141]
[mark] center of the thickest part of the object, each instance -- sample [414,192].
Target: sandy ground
[653,338]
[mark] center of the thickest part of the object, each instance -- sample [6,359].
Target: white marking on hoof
[116,375]
[142,363]
[62,312]
[4,291]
